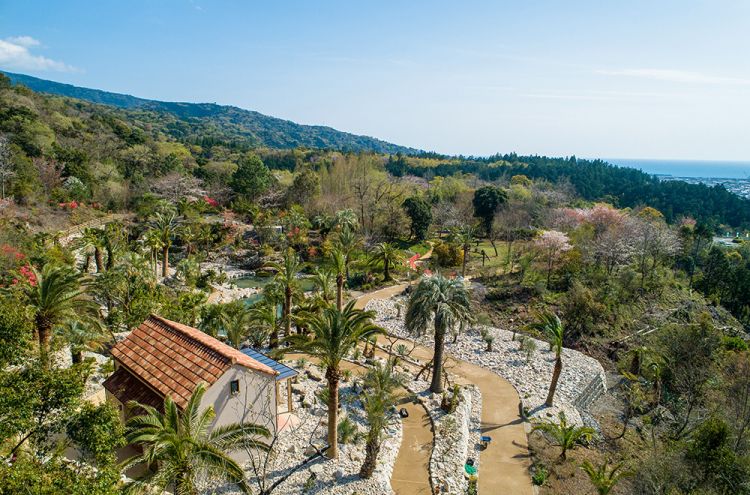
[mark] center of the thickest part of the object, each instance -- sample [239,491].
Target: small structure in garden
[164,358]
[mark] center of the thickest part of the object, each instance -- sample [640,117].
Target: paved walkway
[411,469]
[504,466]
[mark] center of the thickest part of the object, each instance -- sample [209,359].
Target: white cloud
[15,53]
[25,41]
[678,76]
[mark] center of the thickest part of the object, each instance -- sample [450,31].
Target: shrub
[540,475]
[447,255]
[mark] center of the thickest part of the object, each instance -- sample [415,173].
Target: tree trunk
[466,256]
[87,263]
[372,449]
[44,328]
[287,311]
[333,412]
[110,258]
[437,360]
[386,271]
[98,259]
[165,261]
[492,241]
[339,290]
[555,377]
[274,339]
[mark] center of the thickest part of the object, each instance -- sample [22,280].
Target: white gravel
[340,476]
[531,377]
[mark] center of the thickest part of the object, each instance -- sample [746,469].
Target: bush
[447,255]
[734,343]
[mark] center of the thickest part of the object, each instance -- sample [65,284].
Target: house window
[234,387]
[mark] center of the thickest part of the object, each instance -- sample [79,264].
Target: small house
[163,358]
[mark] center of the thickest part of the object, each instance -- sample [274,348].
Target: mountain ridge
[257,128]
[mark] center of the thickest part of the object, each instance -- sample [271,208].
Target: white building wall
[254,403]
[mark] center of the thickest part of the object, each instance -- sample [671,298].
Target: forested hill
[198,121]
[594,180]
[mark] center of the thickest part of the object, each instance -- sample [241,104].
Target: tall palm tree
[92,240]
[167,226]
[603,477]
[389,255]
[152,240]
[564,435]
[464,236]
[114,235]
[81,337]
[286,277]
[57,296]
[333,334]
[549,324]
[382,384]
[347,241]
[446,303]
[181,448]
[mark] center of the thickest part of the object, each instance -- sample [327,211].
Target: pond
[256,282]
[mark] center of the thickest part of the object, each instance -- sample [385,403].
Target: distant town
[741,187]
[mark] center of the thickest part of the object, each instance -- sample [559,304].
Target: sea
[688,168]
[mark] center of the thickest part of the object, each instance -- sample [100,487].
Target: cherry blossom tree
[552,244]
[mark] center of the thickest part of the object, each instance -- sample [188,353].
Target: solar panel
[284,370]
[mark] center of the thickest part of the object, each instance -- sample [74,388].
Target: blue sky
[658,79]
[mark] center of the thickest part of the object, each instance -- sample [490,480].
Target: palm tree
[387,254]
[81,337]
[464,237]
[346,219]
[333,335]
[212,319]
[152,240]
[325,284]
[181,448]
[114,235]
[264,321]
[236,321]
[603,478]
[92,240]
[564,435]
[286,277]
[444,301]
[190,235]
[381,384]
[347,241]
[57,296]
[167,225]
[549,324]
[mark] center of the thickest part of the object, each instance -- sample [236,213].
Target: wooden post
[290,403]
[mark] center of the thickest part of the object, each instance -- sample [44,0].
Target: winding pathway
[504,467]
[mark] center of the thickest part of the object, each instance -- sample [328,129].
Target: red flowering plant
[15,267]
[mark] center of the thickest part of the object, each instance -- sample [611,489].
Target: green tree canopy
[252,177]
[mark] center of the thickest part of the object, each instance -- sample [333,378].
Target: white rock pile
[529,372]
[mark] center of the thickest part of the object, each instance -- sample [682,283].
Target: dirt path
[504,466]
[411,467]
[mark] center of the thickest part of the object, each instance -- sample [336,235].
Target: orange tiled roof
[173,358]
[126,387]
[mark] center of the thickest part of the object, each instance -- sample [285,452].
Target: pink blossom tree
[552,244]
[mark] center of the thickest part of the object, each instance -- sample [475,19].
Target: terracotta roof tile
[126,387]
[173,358]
